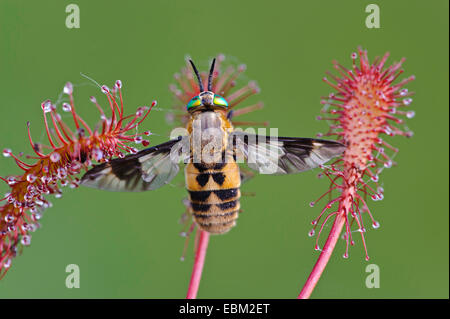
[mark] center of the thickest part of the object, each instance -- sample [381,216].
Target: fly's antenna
[200,84]
[211,72]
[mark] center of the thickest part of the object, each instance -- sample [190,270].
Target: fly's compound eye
[220,101]
[194,102]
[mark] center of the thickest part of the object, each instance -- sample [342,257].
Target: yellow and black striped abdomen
[214,195]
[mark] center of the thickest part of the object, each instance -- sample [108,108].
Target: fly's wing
[283,155]
[146,170]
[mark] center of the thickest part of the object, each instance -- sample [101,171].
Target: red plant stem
[325,255]
[200,255]
[345,205]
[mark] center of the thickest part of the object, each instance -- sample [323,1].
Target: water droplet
[26,240]
[66,107]
[46,106]
[62,173]
[388,164]
[407,101]
[410,114]
[105,89]
[11,180]
[31,178]
[138,139]
[311,233]
[367,258]
[242,67]
[374,178]
[403,92]
[118,84]
[7,152]
[354,56]
[345,255]
[147,133]
[68,88]
[311,204]
[376,224]
[375,197]
[97,154]
[55,157]
[24,227]
[7,263]
[317,247]
[9,218]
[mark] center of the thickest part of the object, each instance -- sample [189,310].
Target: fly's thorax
[209,133]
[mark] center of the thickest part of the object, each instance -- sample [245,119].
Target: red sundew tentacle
[179,94]
[230,83]
[65,130]
[323,195]
[332,104]
[248,109]
[148,112]
[99,108]
[362,236]
[72,109]
[115,105]
[344,92]
[58,132]
[183,84]
[239,93]
[327,206]
[333,181]
[365,206]
[118,86]
[123,119]
[317,247]
[223,80]
[21,164]
[111,105]
[130,126]
[46,126]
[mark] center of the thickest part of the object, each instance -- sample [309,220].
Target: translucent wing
[147,170]
[283,155]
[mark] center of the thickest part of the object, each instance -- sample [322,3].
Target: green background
[128,245]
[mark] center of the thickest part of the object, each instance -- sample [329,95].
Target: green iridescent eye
[220,101]
[194,102]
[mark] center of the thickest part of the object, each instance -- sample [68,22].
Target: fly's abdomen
[214,195]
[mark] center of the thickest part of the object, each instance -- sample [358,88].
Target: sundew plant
[369,105]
